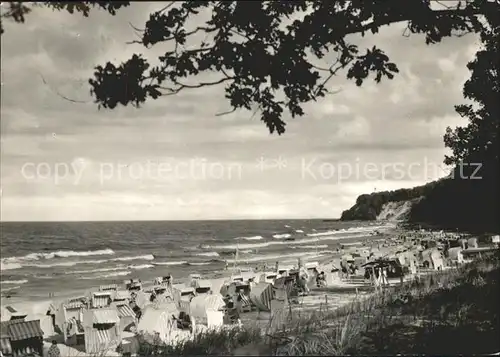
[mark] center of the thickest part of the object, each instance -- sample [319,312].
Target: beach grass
[454,311]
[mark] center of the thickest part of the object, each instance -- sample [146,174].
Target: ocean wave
[250,238]
[227,253]
[198,263]
[94,270]
[12,266]
[309,257]
[208,254]
[61,264]
[11,288]
[294,242]
[24,281]
[104,276]
[57,254]
[9,266]
[299,231]
[282,236]
[190,249]
[120,267]
[65,264]
[278,257]
[327,233]
[181,262]
[348,230]
[320,246]
[137,257]
[140,267]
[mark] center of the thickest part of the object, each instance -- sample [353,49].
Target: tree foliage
[478,142]
[17,10]
[265,52]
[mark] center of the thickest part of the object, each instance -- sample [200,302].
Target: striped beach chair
[261,296]
[246,304]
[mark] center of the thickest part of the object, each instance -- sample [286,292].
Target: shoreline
[337,295]
[18,298]
[29,305]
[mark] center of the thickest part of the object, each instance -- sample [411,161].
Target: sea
[47,259]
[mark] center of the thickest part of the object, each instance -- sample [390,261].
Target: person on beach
[54,350]
[367,275]
[303,285]
[321,280]
[345,273]
[232,310]
[385,282]
[352,269]
[376,277]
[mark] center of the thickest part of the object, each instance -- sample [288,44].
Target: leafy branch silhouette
[266,54]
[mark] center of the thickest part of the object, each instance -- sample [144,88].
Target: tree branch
[395,19]
[226,112]
[172,3]
[60,95]
[193,86]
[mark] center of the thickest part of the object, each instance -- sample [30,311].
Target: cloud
[397,122]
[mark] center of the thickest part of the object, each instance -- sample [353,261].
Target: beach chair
[279,311]
[207,307]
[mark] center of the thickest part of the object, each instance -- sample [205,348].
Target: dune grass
[454,311]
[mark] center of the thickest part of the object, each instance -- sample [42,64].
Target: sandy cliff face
[395,211]
[448,203]
[386,205]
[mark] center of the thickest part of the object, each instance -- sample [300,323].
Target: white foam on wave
[137,257]
[120,267]
[57,254]
[310,256]
[24,281]
[140,267]
[61,264]
[261,258]
[294,242]
[208,254]
[12,266]
[250,238]
[299,231]
[319,246]
[104,276]
[190,249]
[282,236]
[200,263]
[94,270]
[181,262]
[327,233]
[66,264]
[9,266]
[348,230]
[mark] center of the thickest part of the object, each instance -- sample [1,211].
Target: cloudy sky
[174,159]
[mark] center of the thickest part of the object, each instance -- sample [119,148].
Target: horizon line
[181,220]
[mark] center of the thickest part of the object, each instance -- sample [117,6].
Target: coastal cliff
[448,203]
[386,205]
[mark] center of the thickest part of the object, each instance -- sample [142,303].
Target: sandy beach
[338,294]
